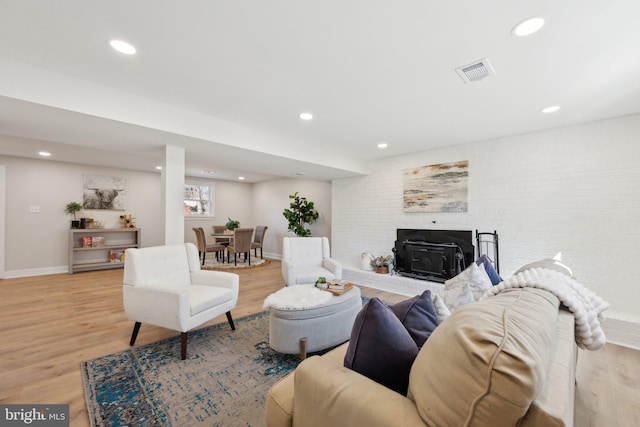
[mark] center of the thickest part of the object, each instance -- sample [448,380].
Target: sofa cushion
[488,268]
[380,347]
[418,316]
[486,364]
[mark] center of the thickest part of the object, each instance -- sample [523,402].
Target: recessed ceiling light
[122,47]
[159,168]
[383,145]
[241,178]
[528,27]
[306,116]
[44,153]
[551,109]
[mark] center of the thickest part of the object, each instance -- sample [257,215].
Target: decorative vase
[383,269]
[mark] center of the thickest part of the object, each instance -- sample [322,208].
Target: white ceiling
[228,79]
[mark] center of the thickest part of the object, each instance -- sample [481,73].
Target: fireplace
[435,255]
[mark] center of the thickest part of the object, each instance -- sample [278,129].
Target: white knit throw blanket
[585,305]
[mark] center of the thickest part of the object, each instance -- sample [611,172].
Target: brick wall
[574,190]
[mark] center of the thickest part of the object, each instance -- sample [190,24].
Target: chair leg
[183,345]
[230,319]
[248,255]
[235,259]
[134,334]
[260,253]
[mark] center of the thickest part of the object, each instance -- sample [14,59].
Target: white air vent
[476,71]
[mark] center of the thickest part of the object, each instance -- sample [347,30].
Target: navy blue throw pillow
[488,268]
[380,347]
[418,315]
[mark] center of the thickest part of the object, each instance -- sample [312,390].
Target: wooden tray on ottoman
[341,291]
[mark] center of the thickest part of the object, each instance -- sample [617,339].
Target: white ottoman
[311,327]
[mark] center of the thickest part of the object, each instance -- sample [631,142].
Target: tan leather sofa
[502,361]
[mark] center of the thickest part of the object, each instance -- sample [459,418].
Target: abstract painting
[436,188]
[104,192]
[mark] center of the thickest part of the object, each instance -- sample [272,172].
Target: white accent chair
[164,286]
[304,259]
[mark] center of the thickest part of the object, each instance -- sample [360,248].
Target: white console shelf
[98,257]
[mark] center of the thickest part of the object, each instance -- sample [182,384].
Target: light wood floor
[49,324]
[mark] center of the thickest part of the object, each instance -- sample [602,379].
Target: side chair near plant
[241,244]
[304,259]
[258,239]
[203,247]
[164,286]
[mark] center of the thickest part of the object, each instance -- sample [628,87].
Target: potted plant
[321,283]
[301,211]
[71,208]
[232,224]
[381,263]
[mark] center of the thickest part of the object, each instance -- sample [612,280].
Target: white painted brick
[574,189]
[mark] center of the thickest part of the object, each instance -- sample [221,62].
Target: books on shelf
[116,255]
[92,242]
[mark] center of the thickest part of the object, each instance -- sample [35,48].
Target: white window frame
[212,194]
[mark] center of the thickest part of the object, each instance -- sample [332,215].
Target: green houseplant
[71,208]
[232,224]
[301,211]
[381,263]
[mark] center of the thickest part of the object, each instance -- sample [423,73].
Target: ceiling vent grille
[476,71]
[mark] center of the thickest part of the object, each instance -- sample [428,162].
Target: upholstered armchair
[164,286]
[304,259]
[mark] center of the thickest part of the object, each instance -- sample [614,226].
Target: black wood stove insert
[435,255]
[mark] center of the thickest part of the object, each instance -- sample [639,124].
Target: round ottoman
[309,327]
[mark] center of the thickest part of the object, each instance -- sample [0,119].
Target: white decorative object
[367,257]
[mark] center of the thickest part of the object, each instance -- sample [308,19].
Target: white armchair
[304,259]
[164,286]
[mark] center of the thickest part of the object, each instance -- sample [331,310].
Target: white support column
[173,194]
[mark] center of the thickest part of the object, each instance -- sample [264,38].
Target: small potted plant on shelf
[381,263]
[71,209]
[232,224]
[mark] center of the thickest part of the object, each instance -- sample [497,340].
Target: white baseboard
[622,332]
[14,274]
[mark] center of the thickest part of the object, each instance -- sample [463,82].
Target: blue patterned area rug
[223,382]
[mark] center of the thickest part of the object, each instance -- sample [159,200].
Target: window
[198,200]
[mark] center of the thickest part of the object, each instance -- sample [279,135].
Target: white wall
[36,243]
[574,190]
[272,197]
